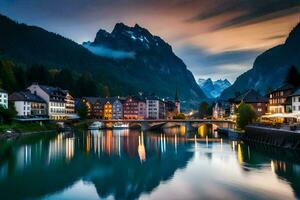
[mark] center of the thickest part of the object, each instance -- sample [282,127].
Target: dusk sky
[215,38]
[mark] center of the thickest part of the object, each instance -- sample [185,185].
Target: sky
[215,38]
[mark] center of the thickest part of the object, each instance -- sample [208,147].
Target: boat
[119,125]
[96,126]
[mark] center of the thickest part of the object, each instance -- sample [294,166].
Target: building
[117,108]
[130,108]
[94,106]
[55,99]
[70,103]
[107,109]
[142,107]
[171,109]
[296,101]
[218,111]
[3,98]
[155,108]
[177,103]
[280,100]
[253,98]
[28,104]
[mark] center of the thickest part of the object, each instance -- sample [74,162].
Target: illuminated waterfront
[123,164]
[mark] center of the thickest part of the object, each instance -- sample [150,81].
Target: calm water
[134,165]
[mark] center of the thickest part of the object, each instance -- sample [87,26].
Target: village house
[170,109]
[218,111]
[130,108]
[70,103]
[117,108]
[280,100]
[296,101]
[55,99]
[155,108]
[3,98]
[28,104]
[94,107]
[258,102]
[107,109]
[142,108]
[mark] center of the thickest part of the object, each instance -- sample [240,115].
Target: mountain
[270,68]
[213,89]
[145,63]
[148,59]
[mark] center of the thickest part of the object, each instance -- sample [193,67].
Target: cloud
[222,58]
[217,65]
[275,37]
[248,11]
[109,53]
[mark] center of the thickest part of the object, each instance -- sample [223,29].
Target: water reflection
[123,164]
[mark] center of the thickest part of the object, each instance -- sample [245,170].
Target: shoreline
[17,134]
[274,137]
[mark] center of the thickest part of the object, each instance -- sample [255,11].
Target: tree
[7,76]
[38,73]
[7,114]
[203,109]
[82,110]
[293,76]
[245,115]
[105,91]
[20,77]
[86,86]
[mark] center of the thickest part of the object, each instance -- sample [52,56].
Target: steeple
[176,95]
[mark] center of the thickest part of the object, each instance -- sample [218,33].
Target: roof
[3,91]
[92,100]
[251,96]
[51,90]
[25,96]
[102,100]
[296,93]
[283,87]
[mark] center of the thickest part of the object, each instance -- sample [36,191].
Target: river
[130,164]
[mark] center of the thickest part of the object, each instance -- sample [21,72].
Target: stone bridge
[189,124]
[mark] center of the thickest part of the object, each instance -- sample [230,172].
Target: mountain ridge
[270,67]
[213,89]
[161,75]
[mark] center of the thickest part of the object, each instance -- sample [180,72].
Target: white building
[218,111]
[3,98]
[70,103]
[296,101]
[28,104]
[55,99]
[155,108]
[142,107]
[117,108]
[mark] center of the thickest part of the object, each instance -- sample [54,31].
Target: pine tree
[293,76]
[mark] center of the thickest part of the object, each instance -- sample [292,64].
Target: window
[294,107]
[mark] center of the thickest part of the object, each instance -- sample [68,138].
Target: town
[40,102]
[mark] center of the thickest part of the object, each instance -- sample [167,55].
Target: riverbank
[15,129]
[272,136]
